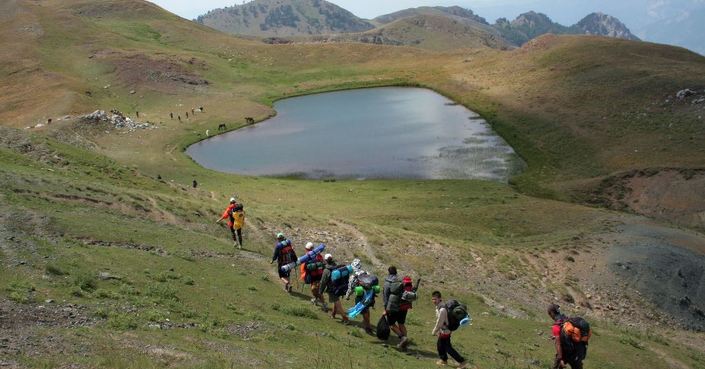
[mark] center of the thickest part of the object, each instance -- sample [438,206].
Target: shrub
[86,282]
[53,269]
[122,321]
[21,292]
[301,312]
[163,292]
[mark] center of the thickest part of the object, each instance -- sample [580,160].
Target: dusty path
[363,242]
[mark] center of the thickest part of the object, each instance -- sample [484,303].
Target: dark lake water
[388,132]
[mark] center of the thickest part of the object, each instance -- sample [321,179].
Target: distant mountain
[433,32]
[604,25]
[284,18]
[530,25]
[455,11]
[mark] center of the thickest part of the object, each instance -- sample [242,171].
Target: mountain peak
[604,25]
[284,18]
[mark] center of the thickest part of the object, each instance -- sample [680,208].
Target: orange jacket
[228,214]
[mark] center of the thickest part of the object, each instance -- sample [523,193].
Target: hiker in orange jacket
[311,274]
[235,215]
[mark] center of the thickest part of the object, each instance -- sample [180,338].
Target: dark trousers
[445,348]
[237,235]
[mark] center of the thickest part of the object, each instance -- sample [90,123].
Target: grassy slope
[94,199]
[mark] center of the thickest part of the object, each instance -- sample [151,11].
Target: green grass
[183,298]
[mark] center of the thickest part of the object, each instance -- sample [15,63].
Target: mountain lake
[387,132]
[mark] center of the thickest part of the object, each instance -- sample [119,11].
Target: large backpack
[367,281]
[339,286]
[286,253]
[456,313]
[576,329]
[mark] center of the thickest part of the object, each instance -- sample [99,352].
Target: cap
[406,280]
[280,235]
[328,257]
[232,199]
[309,246]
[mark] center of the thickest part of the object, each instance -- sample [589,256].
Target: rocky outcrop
[530,25]
[115,119]
[604,25]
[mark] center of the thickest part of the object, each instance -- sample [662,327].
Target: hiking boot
[369,331]
[463,365]
[403,343]
[325,307]
[441,363]
[289,288]
[314,301]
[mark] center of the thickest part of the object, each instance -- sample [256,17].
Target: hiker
[367,282]
[179,118]
[441,329]
[335,288]
[284,254]
[171,115]
[138,114]
[571,336]
[194,184]
[235,215]
[311,273]
[396,306]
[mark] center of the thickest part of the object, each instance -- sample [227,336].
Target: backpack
[409,296]
[286,253]
[576,329]
[383,330]
[367,281]
[338,286]
[456,313]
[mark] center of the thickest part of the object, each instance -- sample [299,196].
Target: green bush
[162,292]
[86,282]
[301,312]
[21,292]
[122,321]
[53,269]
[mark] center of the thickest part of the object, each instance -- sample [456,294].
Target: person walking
[235,215]
[359,278]
[335,289]
[311,274]
[568,352]
[444,346]
[395,306]
[284,254]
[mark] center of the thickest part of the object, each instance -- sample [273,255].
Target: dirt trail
[369,251]
[673,363]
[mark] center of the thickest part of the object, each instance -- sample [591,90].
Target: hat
[356,264]
[232,199]
[280,235]
[328,257]
[309,246]
[406,280]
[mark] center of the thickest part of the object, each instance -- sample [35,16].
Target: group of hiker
[337,281]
